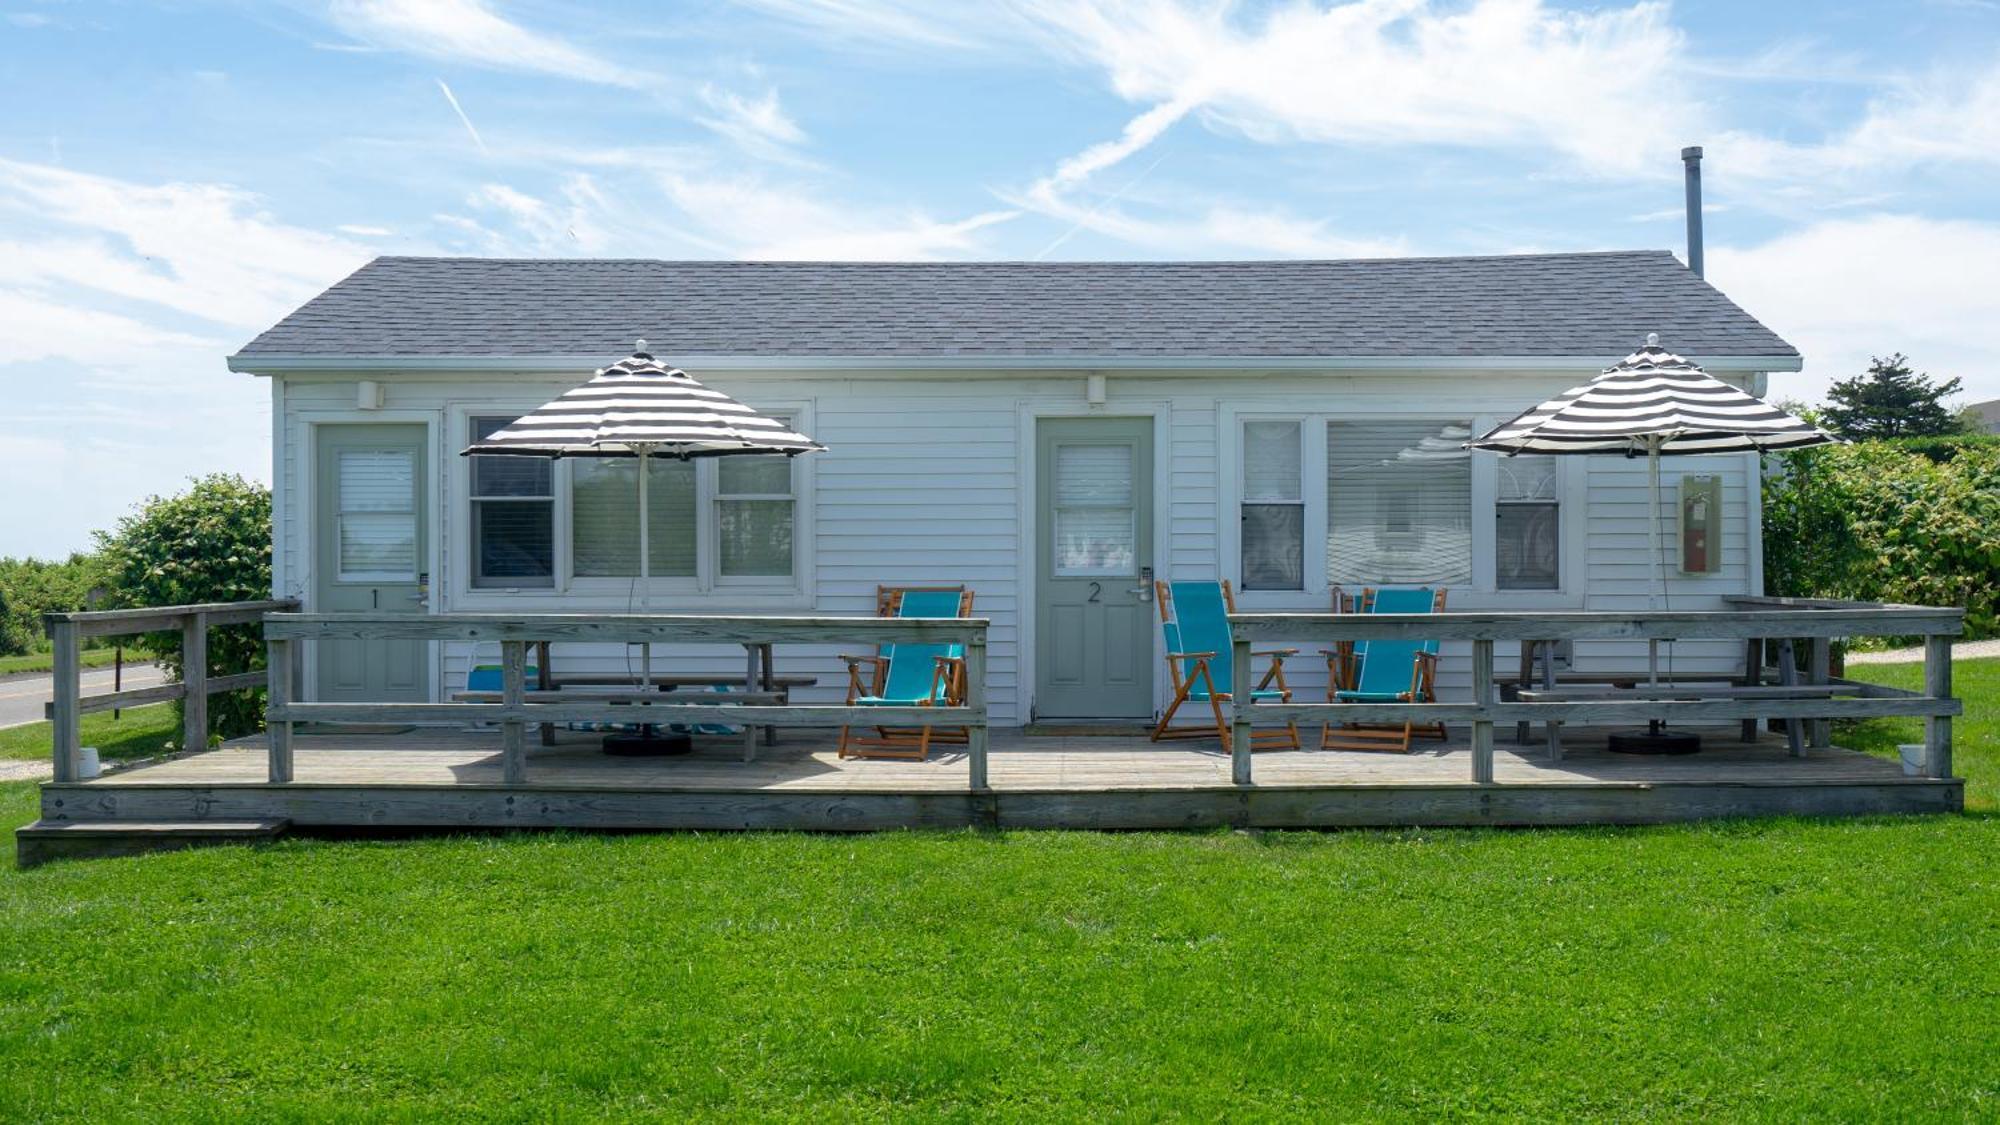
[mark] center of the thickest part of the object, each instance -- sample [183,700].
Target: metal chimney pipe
[1691,159]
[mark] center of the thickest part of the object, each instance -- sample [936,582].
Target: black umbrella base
[1658,740]
[647,743]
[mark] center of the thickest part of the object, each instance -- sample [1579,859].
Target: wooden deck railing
[1749,620]
[516,711]
[67,632]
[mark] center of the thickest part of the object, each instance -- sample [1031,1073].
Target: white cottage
[1050,434]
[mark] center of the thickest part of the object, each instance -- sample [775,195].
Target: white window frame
[664,593]
[555,513]
[1316,596]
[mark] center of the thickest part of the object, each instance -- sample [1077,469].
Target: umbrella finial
[639,346]
[1652,340]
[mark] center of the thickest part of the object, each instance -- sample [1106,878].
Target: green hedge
[32,587]
[1945,447]
[1885,521]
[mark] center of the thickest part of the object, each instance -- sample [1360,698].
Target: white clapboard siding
[921,486]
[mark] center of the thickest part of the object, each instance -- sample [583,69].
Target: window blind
[1399,504]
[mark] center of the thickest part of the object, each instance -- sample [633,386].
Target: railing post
[1482,694]
[1239,709]
[514,696]
[1819,670]
[278,657]
[194,679]
[1937,685]
[975,700]
[68,707]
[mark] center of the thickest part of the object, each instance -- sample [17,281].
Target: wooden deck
[453,778]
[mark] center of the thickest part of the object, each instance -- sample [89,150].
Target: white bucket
[87,765]
[1913,758]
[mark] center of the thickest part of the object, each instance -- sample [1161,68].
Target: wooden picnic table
[757,679]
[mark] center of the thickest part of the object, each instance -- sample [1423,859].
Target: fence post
[514,696]
[277,729]
[1482,694]
[975,700]
[1937,685]
[194,678]
[1239,710]
[1753,673]
[1819,669]
[67,711]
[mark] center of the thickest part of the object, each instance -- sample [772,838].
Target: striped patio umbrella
[640,407]
[1652,402]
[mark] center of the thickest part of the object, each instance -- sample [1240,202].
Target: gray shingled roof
[1595,305]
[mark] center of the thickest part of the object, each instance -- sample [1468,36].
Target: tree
[212,543]
[1891,401]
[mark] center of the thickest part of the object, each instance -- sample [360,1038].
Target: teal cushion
[1370,696]
[890,701]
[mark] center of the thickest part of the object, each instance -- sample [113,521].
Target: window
[604,517]
[754,516]
[513,516]
[1527,544]
[378,515]
[1398,504]
[1096,518]
[1273,510]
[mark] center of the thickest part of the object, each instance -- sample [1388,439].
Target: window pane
[510,475]
[1527,478]
[1399,504]
[1274,546]
[377,481]
[1527,547]
[604,515]
[755,537]
[1271,461]
[513,542]
[378,545]
[1093,474]
[1095,541]
[752,476]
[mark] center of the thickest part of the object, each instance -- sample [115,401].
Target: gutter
[570,364]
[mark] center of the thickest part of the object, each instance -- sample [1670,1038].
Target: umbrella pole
[1659,564]
[645,574]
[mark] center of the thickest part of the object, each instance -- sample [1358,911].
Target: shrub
[212,543]
[1877,522]
[30,588]
[1946,447]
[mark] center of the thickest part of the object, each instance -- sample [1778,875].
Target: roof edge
[312,364]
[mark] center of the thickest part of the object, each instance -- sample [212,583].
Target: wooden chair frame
[1186,670]
[947,680]
[1343,667]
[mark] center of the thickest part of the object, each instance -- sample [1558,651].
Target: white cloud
[203,250]
[757,220]
[759,125]
[471,32]
[1848,289]
[1949,116]
[361,230]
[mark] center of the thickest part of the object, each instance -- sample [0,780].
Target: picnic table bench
[1544,684]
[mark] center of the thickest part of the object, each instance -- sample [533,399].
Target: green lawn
[89,658]
[137,733]
[1772,969]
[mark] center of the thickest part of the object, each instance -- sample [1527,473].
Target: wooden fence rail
[67,632]
[1751,620]
[517,710]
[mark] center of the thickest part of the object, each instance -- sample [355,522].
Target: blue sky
[174,177]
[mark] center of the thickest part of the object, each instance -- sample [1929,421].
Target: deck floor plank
[805,760]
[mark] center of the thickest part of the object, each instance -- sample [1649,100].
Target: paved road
[21,697]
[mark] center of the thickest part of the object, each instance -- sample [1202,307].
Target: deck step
[44,840]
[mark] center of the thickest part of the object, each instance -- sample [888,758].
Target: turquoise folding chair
[1383,672]
[909,675]
[1201,662]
